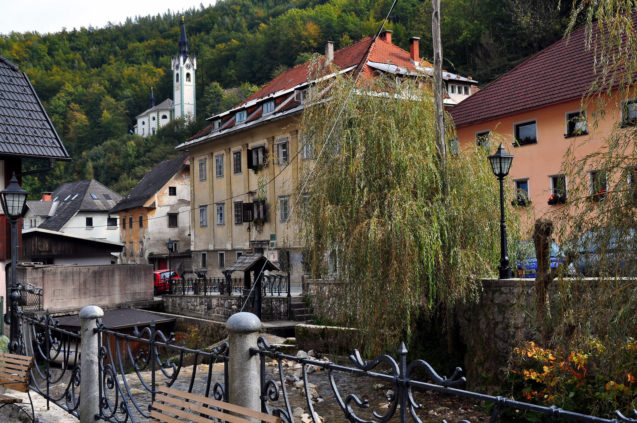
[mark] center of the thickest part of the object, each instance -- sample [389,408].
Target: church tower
[184,67]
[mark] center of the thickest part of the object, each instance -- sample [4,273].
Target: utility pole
[438,90]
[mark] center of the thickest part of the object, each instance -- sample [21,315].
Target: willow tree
[375,217]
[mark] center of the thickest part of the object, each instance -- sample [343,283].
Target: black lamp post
[14,200]
[501,163]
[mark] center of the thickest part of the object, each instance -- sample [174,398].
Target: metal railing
[406,379]
[56,373]
[272,285]
[131,366]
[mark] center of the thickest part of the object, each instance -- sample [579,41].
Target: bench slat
[211,412]
[14,371]
[185,414]
[17,356]
[162,417]
[223,405]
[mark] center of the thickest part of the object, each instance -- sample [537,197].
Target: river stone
[298,412]
[302,354]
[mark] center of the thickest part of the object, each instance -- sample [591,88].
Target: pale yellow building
[247,164]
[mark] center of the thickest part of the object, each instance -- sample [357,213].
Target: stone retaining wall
[221,307]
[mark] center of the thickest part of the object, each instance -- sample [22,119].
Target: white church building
[183,104]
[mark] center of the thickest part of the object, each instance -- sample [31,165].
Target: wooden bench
[172,405]
[15,371]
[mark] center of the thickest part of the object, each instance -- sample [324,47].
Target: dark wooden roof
[248,262]
[25,128]
[74,197]
[120,319]
[152,182]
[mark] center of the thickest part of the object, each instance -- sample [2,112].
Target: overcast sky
[52,15]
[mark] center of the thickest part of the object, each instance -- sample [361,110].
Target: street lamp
[501,163]
[14,200]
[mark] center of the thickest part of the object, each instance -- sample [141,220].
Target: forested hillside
[93,82]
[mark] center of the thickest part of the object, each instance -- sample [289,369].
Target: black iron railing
[133,365]
[400,404]
[56,351]
[272,285]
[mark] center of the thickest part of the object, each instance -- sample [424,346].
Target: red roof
[381,52]
[561,72]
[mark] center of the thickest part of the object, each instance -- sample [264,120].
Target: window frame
[204,260]
[627,107]
[241,116]
[284,205]
[307,149]
[203,171]
[516,132]
[221,259]
[570,120]
[140,220]
[238,212]
[270,109]
[556,196]
[172,191]
[171,217]
[283,151]
[485,136]
[89,222]
[521,200]
[219,165]
[109,223]
[203,216]
[236,162]
[593,175]
[130,221]
[220,214]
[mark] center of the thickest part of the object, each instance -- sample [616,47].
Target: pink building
[536,111]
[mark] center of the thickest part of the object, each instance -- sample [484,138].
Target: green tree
[377,213]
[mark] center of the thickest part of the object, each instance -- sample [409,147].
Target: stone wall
[220,307]
[490,327]
[502,317]
[69,288]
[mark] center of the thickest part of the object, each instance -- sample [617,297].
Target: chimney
[414,49]
[329,51]
[386,35]
[46,196]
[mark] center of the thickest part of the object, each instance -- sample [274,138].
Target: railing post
[245,388]
[89,367]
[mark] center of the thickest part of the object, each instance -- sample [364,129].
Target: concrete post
[89,370]
[245,390]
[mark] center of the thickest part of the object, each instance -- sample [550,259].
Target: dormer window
[241,116]
[466,90]
[452,88]
[268,107]
[300,95]
[216,123]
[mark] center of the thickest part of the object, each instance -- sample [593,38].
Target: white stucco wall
[77,226]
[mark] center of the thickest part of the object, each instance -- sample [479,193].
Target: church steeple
[151,99]
[184,67]
[183,41]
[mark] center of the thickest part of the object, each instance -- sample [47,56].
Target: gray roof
[40,208]
[164,105]
[250,262]
[151,183]
[25,128]
[79,196]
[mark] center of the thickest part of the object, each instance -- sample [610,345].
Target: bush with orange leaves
[578,380]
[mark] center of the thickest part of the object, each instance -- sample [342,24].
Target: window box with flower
[555,199]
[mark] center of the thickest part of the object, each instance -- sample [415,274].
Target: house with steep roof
[156,211]
[536,110]
[81,209]
[247,162]
[157,116]
[25,132]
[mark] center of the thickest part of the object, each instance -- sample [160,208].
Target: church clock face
[188,66]
[176,67]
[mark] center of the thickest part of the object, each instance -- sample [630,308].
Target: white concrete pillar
[89,362]
[245,390]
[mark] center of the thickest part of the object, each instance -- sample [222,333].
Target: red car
[162,280]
